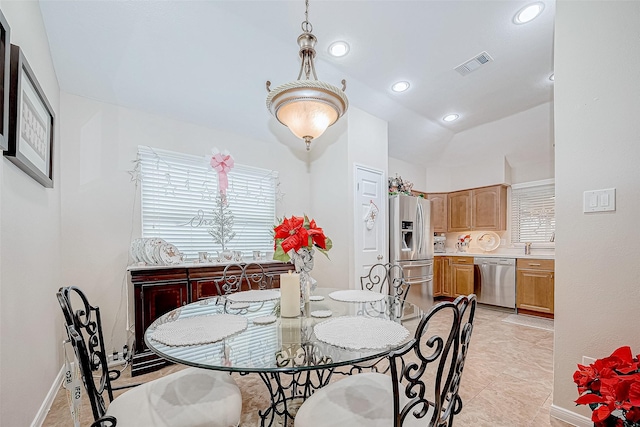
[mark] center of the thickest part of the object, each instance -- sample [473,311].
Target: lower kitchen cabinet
[461,276]
[452,276]
[440,284]
[535,286]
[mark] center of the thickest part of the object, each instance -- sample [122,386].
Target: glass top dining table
[286,344]
[286,354]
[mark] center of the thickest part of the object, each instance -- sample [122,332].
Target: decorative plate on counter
[488,241]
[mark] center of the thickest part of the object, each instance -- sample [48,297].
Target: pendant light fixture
[307,106]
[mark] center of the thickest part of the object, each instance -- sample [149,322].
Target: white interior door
[370,220]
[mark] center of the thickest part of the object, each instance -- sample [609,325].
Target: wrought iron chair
[190,397]
[383,276]
[435,357]
[238,276]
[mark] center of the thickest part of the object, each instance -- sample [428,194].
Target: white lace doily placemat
[254,295]
[199,329]
[352,295]
[357,332]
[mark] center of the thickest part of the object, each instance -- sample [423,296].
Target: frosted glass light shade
[307,107]
[307,118]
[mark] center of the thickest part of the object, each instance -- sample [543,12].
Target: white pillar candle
[290,295]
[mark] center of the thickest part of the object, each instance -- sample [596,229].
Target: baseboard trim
[570,417]
[48,400]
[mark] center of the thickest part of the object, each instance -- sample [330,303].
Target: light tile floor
[507,380]
[508,375]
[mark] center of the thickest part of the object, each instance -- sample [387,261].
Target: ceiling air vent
[473,64]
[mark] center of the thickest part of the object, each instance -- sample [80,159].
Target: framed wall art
[5,61]
[31,120]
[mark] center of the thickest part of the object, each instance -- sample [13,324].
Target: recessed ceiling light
[338,49]
[552,77]
[450,117]
[528,13]
[400,86]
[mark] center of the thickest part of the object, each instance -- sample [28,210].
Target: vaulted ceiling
[206,62]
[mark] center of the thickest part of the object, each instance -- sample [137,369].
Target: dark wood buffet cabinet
[158,290]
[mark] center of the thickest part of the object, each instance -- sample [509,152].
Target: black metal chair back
[236,276]
[435,356]
[84,329]
[382,275]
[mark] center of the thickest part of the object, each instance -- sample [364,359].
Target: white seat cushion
[191,397]
[359,400]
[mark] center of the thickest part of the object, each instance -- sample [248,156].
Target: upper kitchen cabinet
[439,212]
[489,208]
[460,210]
[478,209]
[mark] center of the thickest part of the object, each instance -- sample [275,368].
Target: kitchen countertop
[497,255]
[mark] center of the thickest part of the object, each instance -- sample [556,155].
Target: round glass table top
[281,344]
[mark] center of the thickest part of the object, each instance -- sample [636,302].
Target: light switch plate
[600,200]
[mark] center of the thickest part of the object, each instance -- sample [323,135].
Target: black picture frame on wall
[5,63]
[31,121]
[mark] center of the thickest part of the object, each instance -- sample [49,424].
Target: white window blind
[179,192]
[533,217]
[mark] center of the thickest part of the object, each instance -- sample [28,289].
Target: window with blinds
[179,193]
[533,216]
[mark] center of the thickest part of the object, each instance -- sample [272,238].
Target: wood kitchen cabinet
[439,218]
[158,290]
[535,286]
[489,208]
[482,208]
[440,277]
[459,210]
[452,276]
[461,274]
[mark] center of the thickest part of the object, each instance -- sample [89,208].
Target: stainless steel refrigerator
[411,239]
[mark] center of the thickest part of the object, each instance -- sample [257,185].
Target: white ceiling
[206,62]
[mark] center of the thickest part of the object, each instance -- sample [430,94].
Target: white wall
[597,105]
[360,138]
[329,202]
[100,203]
[368,146]
[490,170]
[510,161]
[30,318]
[414,173]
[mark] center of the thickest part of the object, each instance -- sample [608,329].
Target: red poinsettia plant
[611,388]
[297,233]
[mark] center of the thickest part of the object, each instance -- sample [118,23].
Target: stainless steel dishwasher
[497,281]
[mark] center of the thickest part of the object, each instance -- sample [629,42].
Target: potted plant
[611,388]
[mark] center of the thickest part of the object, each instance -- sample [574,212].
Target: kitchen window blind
[533,216]
[178,196]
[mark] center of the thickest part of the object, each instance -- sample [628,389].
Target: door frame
[384,189]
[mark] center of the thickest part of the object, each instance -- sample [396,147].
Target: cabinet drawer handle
[534,265]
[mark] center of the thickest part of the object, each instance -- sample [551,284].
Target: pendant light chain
[307,106]
[306,25]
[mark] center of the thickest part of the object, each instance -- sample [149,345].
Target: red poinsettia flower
[633,414]
[317,234]
[295,233]
[611,387]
